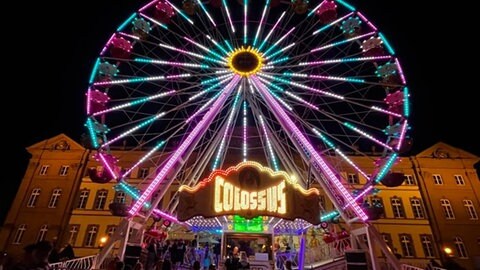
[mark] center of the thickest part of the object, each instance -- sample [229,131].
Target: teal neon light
[94,70]
[120,28]
[347,5]
[92,133]
[406,102]
[386,167]
[387,44]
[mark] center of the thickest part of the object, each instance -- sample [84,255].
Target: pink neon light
[173,159]
[245,8]
[165,215]
[385,111]
[284,36]
[367,21]
[359,131]
[106,45]
[400,71]
[147,5]
[109,168]
[274,27]
[331,61]
[197,44]
[305,86]
[315,156]
[402,135]
[361,194]
[132,130]
[308,104]
[130,36]
[347,40]
[317,7]
[89,105]
[334,22]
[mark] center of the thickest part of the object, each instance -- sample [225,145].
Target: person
[41,253]
[231,263]
[243,263]
[196,265]
[27,258]
[288,265]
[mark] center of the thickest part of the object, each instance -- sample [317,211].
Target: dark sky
[54,46]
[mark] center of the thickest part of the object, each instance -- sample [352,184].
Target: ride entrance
[199,90]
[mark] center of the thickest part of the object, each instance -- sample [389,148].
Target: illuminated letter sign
[249,190]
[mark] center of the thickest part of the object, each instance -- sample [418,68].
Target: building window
[377,202]
[409,180]
[407,245]
[447,209]
[460,247]
[387,238]
[32,201]
[120,197]
[353,178]
[91,236]
[459,180]
[19,234]
[100,199]
[397,207]
[64,170]
[472,213]
[44,169]
[143,173]
[427,244]
[110,230]
[417,208]
[55,198]
[42,233]
[83,198]
[437,179]
[72,239]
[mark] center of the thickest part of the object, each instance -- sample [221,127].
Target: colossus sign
[249,190]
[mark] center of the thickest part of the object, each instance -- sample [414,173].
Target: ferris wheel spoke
[170,63]
[205,49]
[191,138]
[183,15]
[227,11]
[223,63]
[266,9]
[134,103]
[264,42]
[338,151]
[341,42]
[204,9]
[229,125]
[298,85]
[327,26]
[279,41]
[142,79]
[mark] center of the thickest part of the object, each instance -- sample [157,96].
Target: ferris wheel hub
[245,61]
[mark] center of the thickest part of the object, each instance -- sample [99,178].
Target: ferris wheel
[198,86]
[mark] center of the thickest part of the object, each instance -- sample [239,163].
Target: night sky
[53,48]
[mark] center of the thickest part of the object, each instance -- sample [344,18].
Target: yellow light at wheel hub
[245,61]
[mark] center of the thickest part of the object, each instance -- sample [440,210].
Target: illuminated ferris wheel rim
[237,68]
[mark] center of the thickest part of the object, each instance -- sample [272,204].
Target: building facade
[43,205]
[450,184]
[421,217]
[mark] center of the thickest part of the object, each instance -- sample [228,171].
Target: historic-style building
[449,183]
[43,205]
[435,208]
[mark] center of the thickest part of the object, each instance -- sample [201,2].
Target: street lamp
[103,241]
[448,251]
